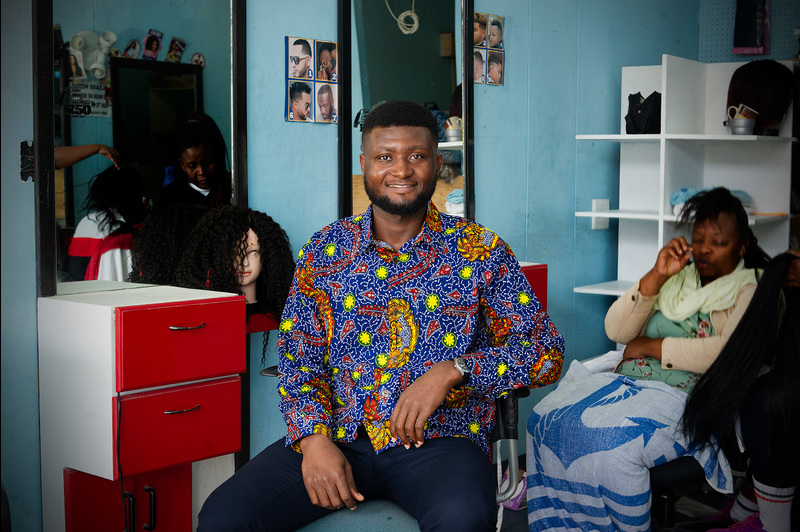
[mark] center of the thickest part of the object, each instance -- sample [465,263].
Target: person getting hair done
[116,207]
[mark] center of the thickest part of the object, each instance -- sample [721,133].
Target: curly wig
[216,242]
[159,245]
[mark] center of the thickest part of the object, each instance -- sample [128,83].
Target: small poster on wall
[151,45]
[312,89]
[175,51]
[489,48]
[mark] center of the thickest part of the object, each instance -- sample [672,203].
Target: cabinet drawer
[177,425]
[179,342]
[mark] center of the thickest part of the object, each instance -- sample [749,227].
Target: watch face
[461,365]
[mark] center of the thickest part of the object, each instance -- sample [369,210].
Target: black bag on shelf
[644,114]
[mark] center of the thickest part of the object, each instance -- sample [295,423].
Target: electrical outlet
[599,205]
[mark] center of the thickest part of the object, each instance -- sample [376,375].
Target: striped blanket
[590,444]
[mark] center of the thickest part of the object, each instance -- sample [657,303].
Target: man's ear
[439,161]
[362,161]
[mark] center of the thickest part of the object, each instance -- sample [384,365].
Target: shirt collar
[431,228]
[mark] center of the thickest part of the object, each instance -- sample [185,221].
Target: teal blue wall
[205,28]
[562,78]
[19,392]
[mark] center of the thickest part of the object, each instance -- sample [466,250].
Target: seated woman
[243,251]
[593,439]
[100,247]
[750,396]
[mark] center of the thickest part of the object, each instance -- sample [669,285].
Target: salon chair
[673,480]
[386,516]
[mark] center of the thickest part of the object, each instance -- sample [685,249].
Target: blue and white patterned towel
[590,444]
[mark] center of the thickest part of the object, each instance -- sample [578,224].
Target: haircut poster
[312,88]
[488,52]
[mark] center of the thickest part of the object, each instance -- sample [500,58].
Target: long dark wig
[709,204]
[767,335]
[159,245]
[116,195]
[217,240]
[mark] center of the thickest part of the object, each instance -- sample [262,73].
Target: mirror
[148,99]
[424,65]
[216,30]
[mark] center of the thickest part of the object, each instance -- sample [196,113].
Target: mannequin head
[240,250]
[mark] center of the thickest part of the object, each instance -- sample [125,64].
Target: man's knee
[457,514]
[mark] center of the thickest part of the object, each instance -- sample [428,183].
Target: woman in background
[203,175]
[593,440]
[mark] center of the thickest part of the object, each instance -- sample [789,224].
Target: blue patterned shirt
[363,321]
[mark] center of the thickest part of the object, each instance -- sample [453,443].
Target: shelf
[753,219]
[631,215]
[610,288]
[452,145]
[621,138]
[699,138]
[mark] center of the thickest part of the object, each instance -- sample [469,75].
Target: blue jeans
[446,484]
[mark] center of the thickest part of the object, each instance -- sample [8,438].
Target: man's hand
[327,474]
[418,401]
[643,347]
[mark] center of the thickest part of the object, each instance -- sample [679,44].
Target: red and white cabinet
[136,382]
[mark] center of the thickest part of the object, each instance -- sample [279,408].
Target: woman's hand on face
[673,257]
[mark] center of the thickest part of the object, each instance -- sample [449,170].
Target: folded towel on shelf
[456,196]
[678,198]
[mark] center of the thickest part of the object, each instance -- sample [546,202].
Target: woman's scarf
[683,295]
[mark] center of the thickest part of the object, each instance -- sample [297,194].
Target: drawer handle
[168,412]
[131,515]
[179,328]
[152,493]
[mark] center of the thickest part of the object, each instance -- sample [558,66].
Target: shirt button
[633,298]
[669,366]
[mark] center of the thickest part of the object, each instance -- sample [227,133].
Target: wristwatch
[461,366]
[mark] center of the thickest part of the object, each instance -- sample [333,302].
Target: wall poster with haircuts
[312,87]
[488,48]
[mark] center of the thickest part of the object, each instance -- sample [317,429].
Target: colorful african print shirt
[363,321]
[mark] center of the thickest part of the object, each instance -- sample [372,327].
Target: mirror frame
[344,36]
[44,131]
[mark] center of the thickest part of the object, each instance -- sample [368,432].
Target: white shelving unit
[693,150]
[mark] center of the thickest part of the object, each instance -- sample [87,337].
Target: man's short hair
[304,43]
[400,113]
[496,22]
[478,56]
[495,57]
[480,18]
[297,89]
[325,89]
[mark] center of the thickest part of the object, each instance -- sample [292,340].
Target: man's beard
[400,209]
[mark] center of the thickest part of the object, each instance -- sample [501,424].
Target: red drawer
[178,425]
[179,342]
